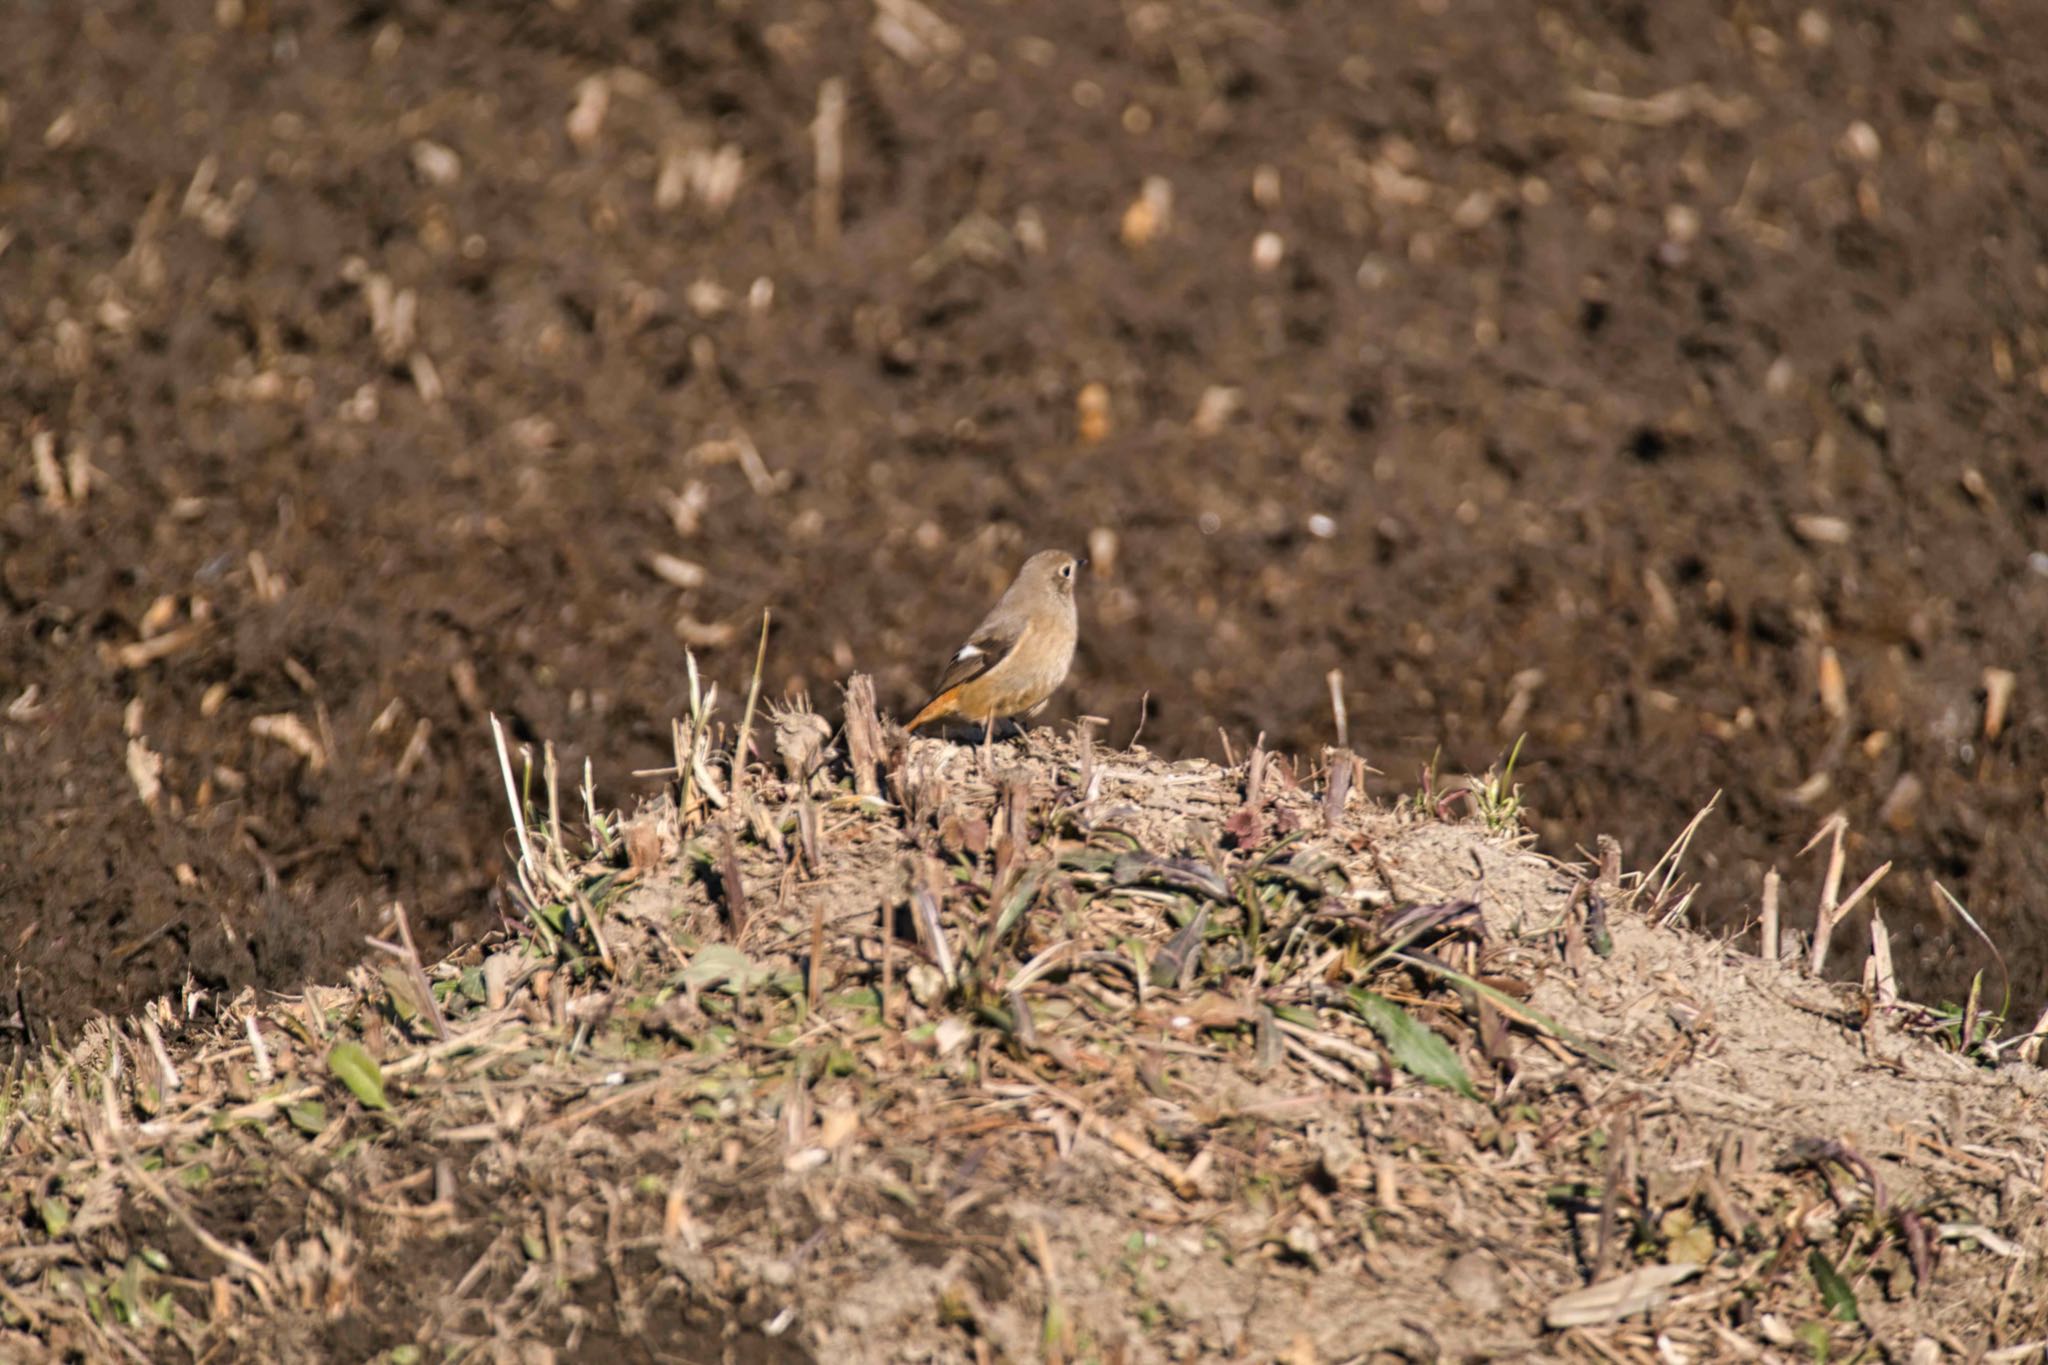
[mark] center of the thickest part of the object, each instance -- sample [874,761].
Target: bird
[1019,654]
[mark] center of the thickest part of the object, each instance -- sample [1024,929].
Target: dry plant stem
[888,960]
[931,929]
[1013,804]
[558,851]
[807,832]
[1884,981]
[1674,855]
[168,1074]
[739,751]
[1335,678]
[817,964]
[1338,789]
[410,956]
[681,744]
[828,144]
[863,735]
[1055,1308]
[588,914]
[526,859]
[1084,768]
[729,879]
[260,1051]
[1832,911]
[2030,1050]
[1767,934]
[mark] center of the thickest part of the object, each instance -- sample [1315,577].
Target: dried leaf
[1612,1300]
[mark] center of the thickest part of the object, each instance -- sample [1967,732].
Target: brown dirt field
[1613,361]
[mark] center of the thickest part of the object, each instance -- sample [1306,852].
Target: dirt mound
[1646,379]
[1075,1054]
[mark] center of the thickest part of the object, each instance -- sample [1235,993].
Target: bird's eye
[1066,571]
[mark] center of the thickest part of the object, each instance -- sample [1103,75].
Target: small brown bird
[1018,656]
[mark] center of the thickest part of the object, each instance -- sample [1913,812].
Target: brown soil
[1634,354]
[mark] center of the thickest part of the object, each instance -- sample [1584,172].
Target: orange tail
[938,708]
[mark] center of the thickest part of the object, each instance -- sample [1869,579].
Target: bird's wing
[990,645]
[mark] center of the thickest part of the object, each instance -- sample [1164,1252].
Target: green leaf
[56,1216]
[1416,1050]
[1834,1290]
[309,1117]
[1020,898]
[1088,860]
[399,987]
[720,962]
[359,1071]
[1513,1008]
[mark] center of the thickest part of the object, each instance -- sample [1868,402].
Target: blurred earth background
[1666,382]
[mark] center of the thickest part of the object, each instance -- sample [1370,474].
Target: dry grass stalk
[1884,982]
[142,653]
[1335,679]
[408,956]
[2030,1046]
[1767,934]
[528,867]
[913,32]
[586,116]
[733,888]
[864,747]
[1337,788]
[1832,917]
[1674,856]
[50,485]
[288,730]
[1093,415]
[1834,687]
[926,917]
[1999,684]
[744,745]
[1830,889]
[828,145]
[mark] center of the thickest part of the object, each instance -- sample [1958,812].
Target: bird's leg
[988,731]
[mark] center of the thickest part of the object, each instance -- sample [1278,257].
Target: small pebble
[1474,1281]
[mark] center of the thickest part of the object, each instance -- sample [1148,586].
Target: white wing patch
[966,652]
